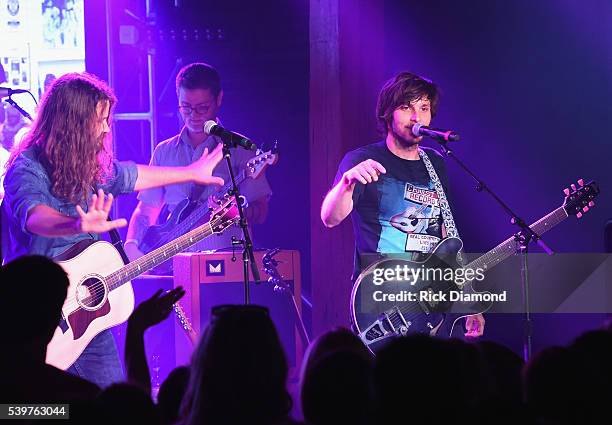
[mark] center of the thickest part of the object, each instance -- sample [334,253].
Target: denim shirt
[27,185]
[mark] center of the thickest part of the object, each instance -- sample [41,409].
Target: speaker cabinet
[212,279]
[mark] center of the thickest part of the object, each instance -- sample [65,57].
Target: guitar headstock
[578,199]
[184,321]
[224,215]
[269,262]
[256,165]
[270,266]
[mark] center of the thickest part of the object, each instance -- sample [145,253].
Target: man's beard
[402,140]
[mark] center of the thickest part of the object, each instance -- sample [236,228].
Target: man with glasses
[198,87]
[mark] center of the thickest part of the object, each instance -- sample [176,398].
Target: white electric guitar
[100,293]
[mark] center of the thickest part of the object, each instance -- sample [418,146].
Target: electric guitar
[100,293]
[376,321]
[188,213]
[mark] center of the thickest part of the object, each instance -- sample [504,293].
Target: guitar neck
[200,212]
[185,323]
[509,246]
[158,256]
[242,176]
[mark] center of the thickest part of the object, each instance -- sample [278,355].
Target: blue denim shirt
[26,185]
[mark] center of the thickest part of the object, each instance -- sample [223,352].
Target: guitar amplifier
[212,279]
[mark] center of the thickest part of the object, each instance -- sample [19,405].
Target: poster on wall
[12,15]
[40,40]
[62,27]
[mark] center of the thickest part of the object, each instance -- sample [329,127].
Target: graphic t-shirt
[400,212]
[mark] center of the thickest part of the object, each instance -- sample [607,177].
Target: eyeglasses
[200,109]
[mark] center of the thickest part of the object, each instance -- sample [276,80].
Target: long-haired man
[60,183]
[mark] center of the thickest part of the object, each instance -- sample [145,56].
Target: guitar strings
[184,225]
[549,221]
[73,305]
[197,214]
[94,289]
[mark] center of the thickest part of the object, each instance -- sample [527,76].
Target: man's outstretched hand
[95,220]
[202,169]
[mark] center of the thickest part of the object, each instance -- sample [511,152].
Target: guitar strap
[117,242]
[447,215]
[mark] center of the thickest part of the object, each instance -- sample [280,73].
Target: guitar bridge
[389,324]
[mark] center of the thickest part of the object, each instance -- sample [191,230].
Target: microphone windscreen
[208,126]
[415,130]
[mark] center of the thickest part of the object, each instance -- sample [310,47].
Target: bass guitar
[377,319]
[189,213]
[100,293]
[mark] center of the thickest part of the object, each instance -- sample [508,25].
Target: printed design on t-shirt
[409,217]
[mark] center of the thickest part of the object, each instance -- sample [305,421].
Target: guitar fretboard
[509,246]
[163,253]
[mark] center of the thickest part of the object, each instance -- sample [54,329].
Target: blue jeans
[99,363]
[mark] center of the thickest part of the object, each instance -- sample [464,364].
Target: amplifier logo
[215,268]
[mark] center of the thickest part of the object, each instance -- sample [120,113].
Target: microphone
[6,92]
[434,133]
[234,139]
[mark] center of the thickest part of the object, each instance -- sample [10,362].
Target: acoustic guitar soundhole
[92,293]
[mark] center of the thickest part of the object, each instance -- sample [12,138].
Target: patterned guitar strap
[447,215]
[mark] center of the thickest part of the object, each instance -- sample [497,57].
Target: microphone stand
[14,104]
[522,237]
[247,244]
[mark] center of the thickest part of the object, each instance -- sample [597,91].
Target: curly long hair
[63,135]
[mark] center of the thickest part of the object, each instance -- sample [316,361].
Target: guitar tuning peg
[585,209]
[573,186]
[579,215]
[581,182]
[591,204]
[566,191]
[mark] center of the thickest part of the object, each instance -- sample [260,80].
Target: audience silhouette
[32,293]
[238,371]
